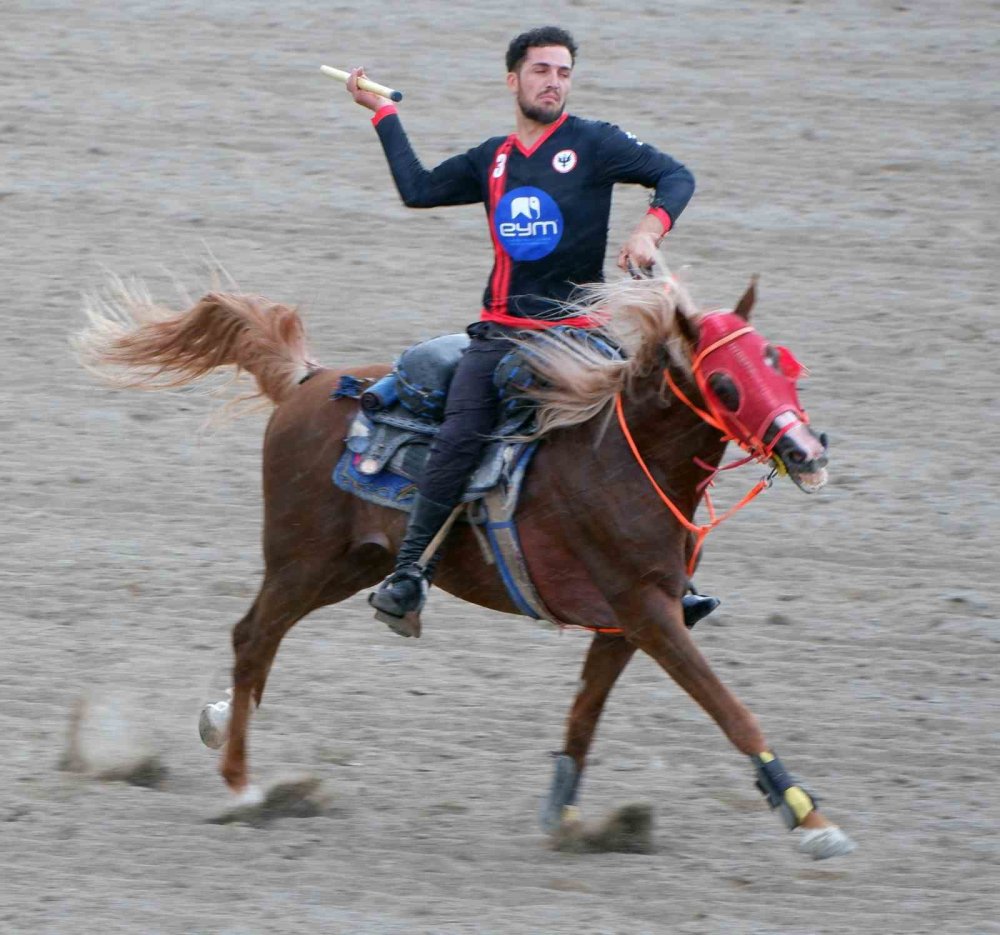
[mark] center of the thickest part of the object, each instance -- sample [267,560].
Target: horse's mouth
[802,455]
[810,481]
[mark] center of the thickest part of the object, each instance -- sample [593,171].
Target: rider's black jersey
[548,207]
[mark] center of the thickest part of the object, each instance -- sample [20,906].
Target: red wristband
[663,218]
[384,111]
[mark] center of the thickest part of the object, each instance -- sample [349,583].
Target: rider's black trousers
[471,414]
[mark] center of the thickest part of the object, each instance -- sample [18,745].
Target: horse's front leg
[653,621]
[607,657]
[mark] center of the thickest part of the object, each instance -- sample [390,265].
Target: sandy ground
[846,152]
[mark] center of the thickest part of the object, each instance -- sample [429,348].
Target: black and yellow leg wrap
[781,790]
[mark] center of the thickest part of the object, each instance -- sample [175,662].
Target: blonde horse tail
[132,342]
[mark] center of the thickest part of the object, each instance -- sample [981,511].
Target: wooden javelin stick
[364,83]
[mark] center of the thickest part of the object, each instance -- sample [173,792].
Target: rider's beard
[541,113]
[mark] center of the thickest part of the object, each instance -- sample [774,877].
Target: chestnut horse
[606,514]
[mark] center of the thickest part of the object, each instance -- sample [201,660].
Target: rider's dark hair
[536,38]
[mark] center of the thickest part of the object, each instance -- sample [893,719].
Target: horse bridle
[759,444]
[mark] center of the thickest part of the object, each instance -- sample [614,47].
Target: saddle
[389,440]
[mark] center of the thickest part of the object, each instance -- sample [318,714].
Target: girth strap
[500,504]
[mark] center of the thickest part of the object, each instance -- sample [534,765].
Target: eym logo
[528,223]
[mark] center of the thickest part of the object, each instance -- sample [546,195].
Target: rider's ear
[745,304]
[687,327]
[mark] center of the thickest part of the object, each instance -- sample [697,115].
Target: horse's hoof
[821,843]
[213,724]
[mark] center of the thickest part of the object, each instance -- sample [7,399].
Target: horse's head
[749,387]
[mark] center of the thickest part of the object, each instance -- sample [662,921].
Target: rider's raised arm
[455,182]
[623,158]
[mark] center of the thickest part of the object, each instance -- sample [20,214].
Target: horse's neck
[669,436]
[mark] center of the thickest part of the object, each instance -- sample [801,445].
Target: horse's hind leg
[657,628]
[361,568]
[606,659]
[284,599]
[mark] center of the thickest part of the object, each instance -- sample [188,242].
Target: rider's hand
[640,250]
[364,98]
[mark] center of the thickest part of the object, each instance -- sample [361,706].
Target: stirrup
[401,613]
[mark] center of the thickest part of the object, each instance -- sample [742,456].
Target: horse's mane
[579,382]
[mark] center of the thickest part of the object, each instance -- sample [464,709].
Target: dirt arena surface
[847,152]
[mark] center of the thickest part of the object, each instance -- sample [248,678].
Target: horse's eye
[725,390]
[772,357]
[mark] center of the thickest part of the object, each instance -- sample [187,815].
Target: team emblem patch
[528,223]
[564,161]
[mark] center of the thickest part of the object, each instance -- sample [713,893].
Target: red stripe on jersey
[500,280]
[503,265]
[538,324]
[552,129]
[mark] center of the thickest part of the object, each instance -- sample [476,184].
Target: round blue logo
[528,223]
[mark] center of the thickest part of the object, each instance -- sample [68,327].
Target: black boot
[400,598]
[696,606]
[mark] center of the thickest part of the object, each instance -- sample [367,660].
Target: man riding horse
[547,191]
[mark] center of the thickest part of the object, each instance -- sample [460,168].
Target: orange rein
[699,531]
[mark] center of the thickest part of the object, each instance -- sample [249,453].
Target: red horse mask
[746,382]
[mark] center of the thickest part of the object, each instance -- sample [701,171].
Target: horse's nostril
[797,456]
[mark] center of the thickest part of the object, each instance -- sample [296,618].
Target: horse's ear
[687,327]
[745,304]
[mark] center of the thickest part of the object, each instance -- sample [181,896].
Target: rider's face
[542,82]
